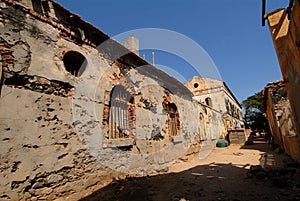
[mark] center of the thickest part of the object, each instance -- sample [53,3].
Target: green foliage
[255,116]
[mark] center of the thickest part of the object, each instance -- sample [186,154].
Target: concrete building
[284,26]
[77,108]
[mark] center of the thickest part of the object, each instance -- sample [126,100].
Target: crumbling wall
[42,156]
[218,97]
[273,119]
[149,140]
[286,37]
[211,127]
[280,118]
[56,114]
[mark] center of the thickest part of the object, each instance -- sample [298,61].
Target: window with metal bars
[121,113]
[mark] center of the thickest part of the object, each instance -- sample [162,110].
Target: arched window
[208,102]
[120,114]
[75,63]
[173,119]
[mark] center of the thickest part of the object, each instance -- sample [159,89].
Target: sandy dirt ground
[229,173]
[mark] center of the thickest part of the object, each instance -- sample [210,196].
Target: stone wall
[41,153]
[78,109]
[286,36]
[215,95]
[280,118]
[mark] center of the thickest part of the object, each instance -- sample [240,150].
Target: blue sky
[229,31]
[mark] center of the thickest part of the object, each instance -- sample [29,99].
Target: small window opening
[208,102]
[46,8]
[196,85]
[173,119]
[75,63]
[121,114]
[37,6]
[201,116]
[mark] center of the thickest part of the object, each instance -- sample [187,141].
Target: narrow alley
[87,115]
[237,172]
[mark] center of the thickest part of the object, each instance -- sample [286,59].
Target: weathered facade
[78,108]
[280,118]
[217,97]
[284,25]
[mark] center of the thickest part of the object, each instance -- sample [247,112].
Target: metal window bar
[119,114]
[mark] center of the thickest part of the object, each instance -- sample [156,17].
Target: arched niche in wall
[121,113]
[173,120]
[75,63]
[208,102]
[202,129]
[201,117]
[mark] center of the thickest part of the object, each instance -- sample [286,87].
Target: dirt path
[223,175]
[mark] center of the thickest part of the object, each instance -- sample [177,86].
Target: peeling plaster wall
[286,38]
[41,153]
[55,126]
[280,118]
[222,100]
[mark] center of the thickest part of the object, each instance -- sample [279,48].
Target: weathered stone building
[280,118]
[216,96]
[284,25]
[78,108]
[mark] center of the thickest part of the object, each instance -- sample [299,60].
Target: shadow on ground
[215,181]
[269,156]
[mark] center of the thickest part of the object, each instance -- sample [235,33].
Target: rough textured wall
[216,95]
[73,115]
[55,118]
[280,118]
[287,126]
[273,119]
[286,37]
[41,154]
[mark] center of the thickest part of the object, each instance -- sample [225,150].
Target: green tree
[255,116]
